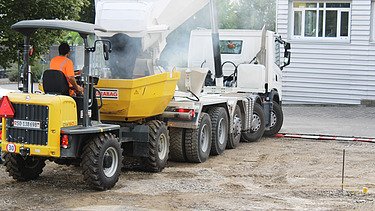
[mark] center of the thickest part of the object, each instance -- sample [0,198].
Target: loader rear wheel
[257,125]
[219,119]
[276,120]
[177,147]
[101,162]
[235,136]
[198,141]
[158,147]
[23,169]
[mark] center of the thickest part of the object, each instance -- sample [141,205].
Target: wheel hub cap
[163,146]
[273,119]
[222,134]
[237,126]
[256,123]
[204,138]
[110,162]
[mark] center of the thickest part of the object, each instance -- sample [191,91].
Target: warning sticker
[108,94]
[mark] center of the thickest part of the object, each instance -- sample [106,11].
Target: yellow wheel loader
[67,130]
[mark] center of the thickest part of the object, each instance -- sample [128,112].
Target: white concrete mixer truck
[231,89]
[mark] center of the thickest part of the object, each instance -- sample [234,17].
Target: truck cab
[251,62]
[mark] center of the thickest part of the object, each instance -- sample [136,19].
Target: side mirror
[106,50]
[287,55]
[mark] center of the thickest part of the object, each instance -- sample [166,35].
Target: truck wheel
[101,161]
[277,119]
[158,147]
[177,147]
[198,141]
[23,169]
[257,125]
[235,137]
[219,119]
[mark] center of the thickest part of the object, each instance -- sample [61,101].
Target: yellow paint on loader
[62,112]
[136,99]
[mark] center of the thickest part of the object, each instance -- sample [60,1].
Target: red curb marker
[279,135]
[325,138]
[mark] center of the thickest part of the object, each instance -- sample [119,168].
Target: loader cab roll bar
[29,27]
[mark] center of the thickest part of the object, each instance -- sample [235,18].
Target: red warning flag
[6,108]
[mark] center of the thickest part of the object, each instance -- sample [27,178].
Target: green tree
[12,11]
[254,14]
[228,14]
[88,12]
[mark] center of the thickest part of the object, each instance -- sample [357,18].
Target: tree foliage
[12,11]
[247,14]
[254,14]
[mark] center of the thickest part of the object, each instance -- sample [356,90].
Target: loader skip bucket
[135,99]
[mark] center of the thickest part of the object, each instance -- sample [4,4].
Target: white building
[333,50]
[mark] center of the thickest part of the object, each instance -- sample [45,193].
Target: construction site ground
[269,174]
[273,173]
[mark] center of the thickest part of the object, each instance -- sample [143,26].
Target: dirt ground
[270,174]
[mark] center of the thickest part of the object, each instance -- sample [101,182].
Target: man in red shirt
[65,65]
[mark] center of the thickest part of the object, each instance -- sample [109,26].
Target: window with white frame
[321,19]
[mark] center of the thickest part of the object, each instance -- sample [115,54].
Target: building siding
[330,72]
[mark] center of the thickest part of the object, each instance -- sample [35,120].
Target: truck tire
[257,125]
[101,161]
[219,120]
[198,141]
[23,169]
[177,145]
[235,137]
[277,119]
[158,147]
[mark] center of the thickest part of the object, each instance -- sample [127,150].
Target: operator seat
[54,82]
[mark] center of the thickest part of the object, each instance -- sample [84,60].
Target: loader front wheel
[101,162]
[158,147]
[23,169]
[198,141]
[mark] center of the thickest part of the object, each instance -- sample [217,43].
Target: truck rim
[273,119]
[163,146]
[237,126]
[222,131]
[112,153]
[204,138]
[256,123]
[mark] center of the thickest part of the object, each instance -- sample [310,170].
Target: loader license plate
[26,124]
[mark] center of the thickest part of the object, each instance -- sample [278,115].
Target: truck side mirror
[287,55]
[106,51]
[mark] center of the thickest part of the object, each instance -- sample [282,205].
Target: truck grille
[27,134]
